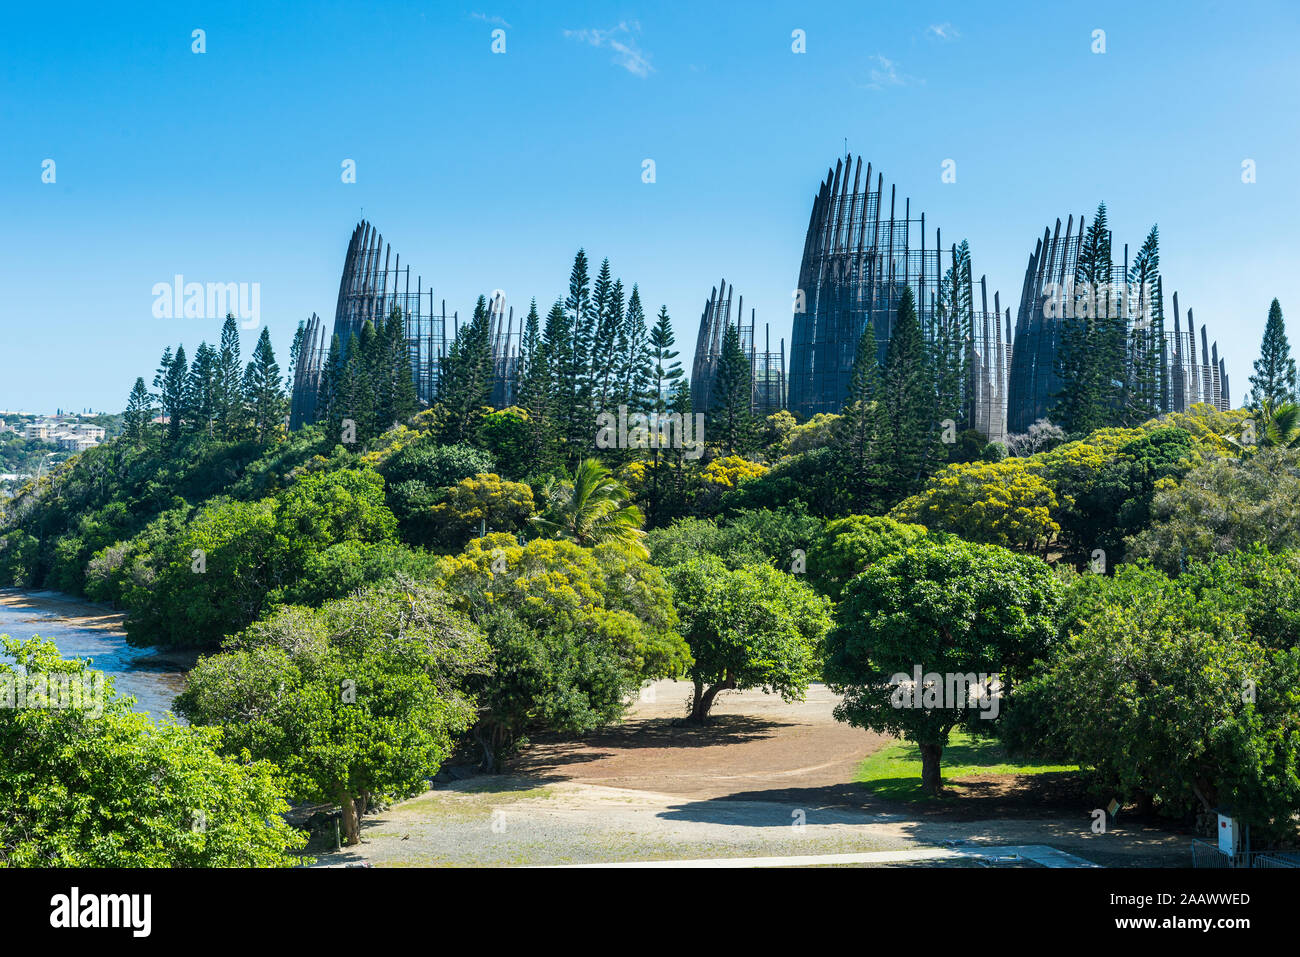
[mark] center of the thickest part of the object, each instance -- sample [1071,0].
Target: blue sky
[489,170]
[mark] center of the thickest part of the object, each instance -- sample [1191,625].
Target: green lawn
[895,772]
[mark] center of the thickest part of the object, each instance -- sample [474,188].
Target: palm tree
[597,509]
[1281,425]
[1275,425]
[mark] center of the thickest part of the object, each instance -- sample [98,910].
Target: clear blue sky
[488,171]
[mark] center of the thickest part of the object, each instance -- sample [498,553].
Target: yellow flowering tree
[1006,503]
[729,471]
[483,499]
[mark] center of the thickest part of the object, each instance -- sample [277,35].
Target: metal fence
[1207,855]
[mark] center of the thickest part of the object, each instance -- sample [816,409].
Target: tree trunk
[490,738]
[703,702]
[1146,804]
[351,824]
[931,754]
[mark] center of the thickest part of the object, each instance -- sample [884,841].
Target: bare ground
[765,778]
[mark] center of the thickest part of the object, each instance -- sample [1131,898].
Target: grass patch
[895,771]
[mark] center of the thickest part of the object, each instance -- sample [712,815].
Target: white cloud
[495,21]
[943,31]
[885,73]
[621,40]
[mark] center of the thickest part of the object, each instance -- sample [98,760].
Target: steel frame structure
[1034,380]
[859,255]
[373,283]
[767,368]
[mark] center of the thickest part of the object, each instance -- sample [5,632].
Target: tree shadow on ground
[548,750]
[1056,815]
[986,793]
[1022,796]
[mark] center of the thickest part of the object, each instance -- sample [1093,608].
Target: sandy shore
[80,613]
[69,609]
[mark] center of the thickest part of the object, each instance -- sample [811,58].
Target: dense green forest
[463,576]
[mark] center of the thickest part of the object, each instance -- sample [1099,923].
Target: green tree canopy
[953,609]
[113,789]
[363,696]
[749,627]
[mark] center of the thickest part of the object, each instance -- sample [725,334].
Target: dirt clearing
[765,778]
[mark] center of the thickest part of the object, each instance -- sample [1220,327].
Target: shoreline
[81,613]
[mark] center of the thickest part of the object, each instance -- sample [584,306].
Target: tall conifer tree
[910,423]
[201,398]
[228,383]
[1274,381]
[1142,395]
[862,428]
[138,415]
[467,375]
[264,393]
[575,375]
[173,392]
[731,420]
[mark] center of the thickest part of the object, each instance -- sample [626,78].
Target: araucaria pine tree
[607,300]
[1144,388]
[636,363]
[353,396]
[467,376]
[667,391]
[199,410]
[950,340]
[395,399]
[553,363]
[1090,362]
[665,370]
[731,420]
[909,425]
[174,375]
[575,410]
[138,415]
[228,392]
[535,386]
[1274,381]
[530,394]
[264,390]
[329,410]
[859,442]
[295,349]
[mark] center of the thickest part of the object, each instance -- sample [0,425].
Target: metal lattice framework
[1191,381]
[1035,381]
[506,346]
[989,365]
[374,282]
[312,352]
[859,255]
[767,368]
